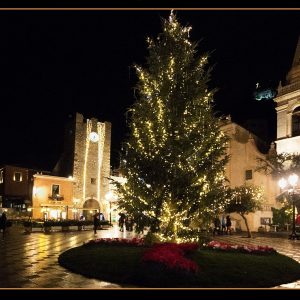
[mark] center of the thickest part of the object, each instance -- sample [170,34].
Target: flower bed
[117,241]
[240,248]
[172,256]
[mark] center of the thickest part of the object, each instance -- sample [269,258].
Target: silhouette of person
[228,225]
[3,223]
[96,222]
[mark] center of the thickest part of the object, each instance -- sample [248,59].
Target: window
[248,174]
[18,176]
[93,180]
[296,122]
[265,221]
[1,176]
[55,190]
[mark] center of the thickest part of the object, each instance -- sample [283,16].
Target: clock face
[94,136]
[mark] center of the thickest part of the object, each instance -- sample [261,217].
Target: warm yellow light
[109,195]
[87,144]
[282,183]
[101,134]
[293,179]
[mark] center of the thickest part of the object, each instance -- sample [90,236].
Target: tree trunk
[247,226]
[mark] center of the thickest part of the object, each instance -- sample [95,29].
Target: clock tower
[87,159]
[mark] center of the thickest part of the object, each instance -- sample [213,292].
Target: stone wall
[89,166]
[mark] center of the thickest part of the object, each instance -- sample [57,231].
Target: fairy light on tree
[244,200]
[176,153]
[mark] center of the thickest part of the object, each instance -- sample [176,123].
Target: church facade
[244,149]
[288,109]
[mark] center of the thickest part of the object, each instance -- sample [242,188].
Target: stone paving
[281,243]
[30,260]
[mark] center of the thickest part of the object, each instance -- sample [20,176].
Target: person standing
[122,221]
[223,223]
[3,223]
[217,226]
[228,225]
[96,222]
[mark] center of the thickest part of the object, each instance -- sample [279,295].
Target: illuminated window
[248,174]
[1,176]
[55,190]
[296,122]
[18,176]
[93,180]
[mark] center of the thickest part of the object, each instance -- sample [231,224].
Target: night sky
[54,63]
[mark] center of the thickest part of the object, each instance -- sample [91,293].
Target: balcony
[56,197]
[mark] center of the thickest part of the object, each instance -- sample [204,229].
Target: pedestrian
[101,219]
[122,221]
[217,226]
[81,220]
[223,223]
[129,223]
[228,225]
[96,222]
[3,223]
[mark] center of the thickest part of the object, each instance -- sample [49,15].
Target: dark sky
[53,63]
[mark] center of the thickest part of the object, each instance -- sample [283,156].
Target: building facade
[16,184]
[86,158]
[244,149]
[288,109]
[52,198]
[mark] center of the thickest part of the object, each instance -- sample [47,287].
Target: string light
[101,134]
[87,145]
[176,152]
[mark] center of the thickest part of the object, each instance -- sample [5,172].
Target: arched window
[296,122]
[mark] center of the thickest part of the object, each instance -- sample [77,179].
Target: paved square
[30,260]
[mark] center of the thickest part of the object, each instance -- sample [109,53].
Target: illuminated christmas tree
[175,156]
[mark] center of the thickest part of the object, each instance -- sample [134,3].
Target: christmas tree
[175,156]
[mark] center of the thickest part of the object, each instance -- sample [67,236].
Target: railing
[288,89]
[56,197]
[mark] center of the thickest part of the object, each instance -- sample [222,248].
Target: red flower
[172,256]
[240,248]
[118,241]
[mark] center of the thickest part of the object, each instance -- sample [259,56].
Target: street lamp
[292,180]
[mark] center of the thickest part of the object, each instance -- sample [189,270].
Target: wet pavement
[280,242]
[31,260]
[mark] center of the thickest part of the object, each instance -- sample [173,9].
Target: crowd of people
[125,221]
[222,226]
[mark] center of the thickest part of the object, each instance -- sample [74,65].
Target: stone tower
[288,109]
[86,157]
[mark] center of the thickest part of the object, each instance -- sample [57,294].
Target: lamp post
[292,180]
